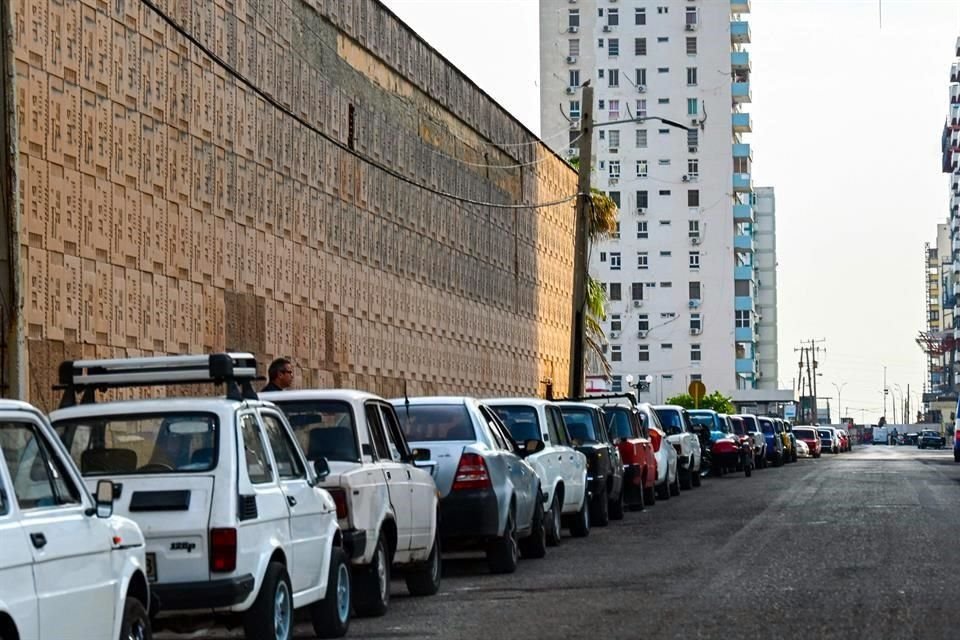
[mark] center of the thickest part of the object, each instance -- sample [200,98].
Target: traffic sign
[697,391]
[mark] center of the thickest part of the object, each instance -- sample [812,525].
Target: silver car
[490,498]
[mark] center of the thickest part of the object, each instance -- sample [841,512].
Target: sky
[849,100]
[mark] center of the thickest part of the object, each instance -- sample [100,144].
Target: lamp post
[839,389]
[903,404]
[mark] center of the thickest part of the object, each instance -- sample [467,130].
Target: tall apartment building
[680,273]
[765,261]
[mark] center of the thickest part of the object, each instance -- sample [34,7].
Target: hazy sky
[847,119]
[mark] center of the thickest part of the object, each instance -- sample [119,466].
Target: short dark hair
[274,371]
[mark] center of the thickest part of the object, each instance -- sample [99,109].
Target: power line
[343,147]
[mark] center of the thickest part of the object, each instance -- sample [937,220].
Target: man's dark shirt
[270,386]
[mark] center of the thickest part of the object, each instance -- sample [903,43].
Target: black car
[587,428]
[930,439]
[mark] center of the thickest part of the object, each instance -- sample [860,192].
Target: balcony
[743,213]
[742,183]
[742,94]
[741,150]
[740,60]
[740,32]
[955,72]
[743,303]
[744,334]
[743,242]
[955,94]
[742,123]
[743,272]
[739,6]
[746,365]
[957,52]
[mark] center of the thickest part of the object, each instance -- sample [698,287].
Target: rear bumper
[355,543]
[469,514]
[212,594]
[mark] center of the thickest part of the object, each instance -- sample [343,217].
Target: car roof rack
[604,396]
[86,377]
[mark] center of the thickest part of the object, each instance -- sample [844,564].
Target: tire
[534,546]
[747,471]
[649,495]
[600,510]
[271,616]
[640,505]
[685,477]
[424,580]
[554,517]
[675,487]
[663,490]
[371,584]
[956,456]
[136,622]
[717,470]
[778,460]
[331,616]
[580,524]
[616,506]
[697,479]
[503,553]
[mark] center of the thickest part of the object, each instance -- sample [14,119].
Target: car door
[395,472]
[522,475]
[423,490]
[72,569]
[17,589]
[571,463]
[308,539]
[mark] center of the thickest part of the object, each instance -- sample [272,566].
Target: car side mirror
[104,498]
[322,468]
[531,447]
[420,455]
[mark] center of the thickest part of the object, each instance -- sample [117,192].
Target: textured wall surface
[168,205]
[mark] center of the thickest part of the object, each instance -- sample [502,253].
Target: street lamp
[903,404]
[839,389]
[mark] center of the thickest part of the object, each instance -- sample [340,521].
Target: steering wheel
[155,466]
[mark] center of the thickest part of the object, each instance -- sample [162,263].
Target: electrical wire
[343,147]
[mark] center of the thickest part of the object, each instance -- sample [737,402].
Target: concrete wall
[167,205]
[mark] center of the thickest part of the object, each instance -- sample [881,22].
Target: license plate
[152,567]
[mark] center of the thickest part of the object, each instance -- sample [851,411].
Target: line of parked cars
[179,513]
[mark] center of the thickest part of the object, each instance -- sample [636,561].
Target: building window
[613,108]
[666,346]
[693,107]
[693,168]
[613,169]
[664,192]
[642,233]
[613,138]
[616,353]
[662,10]
[640,16]
[616,384]
[691,76]
[613,78]
[613,47]
[666,285]
[574,75]
[643,322]
[640,46]
[693,198]
[694,259]
[642,169]
[742,319]
[642,262]
[666,253]
[693,228]
[615,261]
[668,315]
[600,45]
[693,138]
[643,199]
[664,162]
[615,323]
[641,75]
[636,291]
[641,139]
[615,291]
[615,196]
[575,111]
[742,288]
[573,47]
[642,108]
[664,223]
[691,46]
[575,133]
[694,288]
[663,39]
[613,17]
[696,376]
[741,165]
[691,16]
[643,353]
[696,323]
[616,232]
[573,17]
[694,353]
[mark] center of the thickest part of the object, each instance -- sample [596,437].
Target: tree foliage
[716,401]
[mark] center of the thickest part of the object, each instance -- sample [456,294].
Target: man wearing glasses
[280,373]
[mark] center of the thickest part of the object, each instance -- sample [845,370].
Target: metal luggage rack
[604,396]
[237,371]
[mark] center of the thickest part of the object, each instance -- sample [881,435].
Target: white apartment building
[765,261]
[680,274]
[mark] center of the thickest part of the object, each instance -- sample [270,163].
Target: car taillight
[471,473]
[655,439]
[340,499]
[223,549]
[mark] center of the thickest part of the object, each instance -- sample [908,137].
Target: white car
[387,506]
[234,521]
[668,476]
[561,468]
[675,422]
[803,450]
[69,568]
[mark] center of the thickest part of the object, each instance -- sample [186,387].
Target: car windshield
[618,421]
[671,420]
[932,434]
[324,428]
[580,424]
[750,423]
[738,427]
[141,443]
[436,422]
[806,434]
[825,435]
[707,420]
[521,421]
[767,427]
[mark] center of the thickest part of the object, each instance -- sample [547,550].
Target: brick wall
[167,207]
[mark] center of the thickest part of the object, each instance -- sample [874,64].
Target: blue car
[774,441]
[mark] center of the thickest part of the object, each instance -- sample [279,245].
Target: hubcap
[382,573]
[435,566]
[343,592]
[512,538]
[281,612]
[556,518]
[136,631]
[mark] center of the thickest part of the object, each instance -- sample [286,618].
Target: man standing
[280,373]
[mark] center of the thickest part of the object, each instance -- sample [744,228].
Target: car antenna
[406,400]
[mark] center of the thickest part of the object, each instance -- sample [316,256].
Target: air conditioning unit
[613,181]
[692,149]
[571,59]
[571,91]
[575,123]
[695,332]
[641,211]
[614,335]
[573,29]
[685,178]
[641,88]
[638,303]
[641,334]
[607,28]
[572,152]
[695,240]
[695,122]
[691,27]
[694,304]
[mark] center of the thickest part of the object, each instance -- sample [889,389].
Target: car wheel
[553,522]
[371,585]
[675,487]
[580,524]
[331,616]
[136,622]
[685,477]
[271,616]
[697,478]
[649,495]
[747,470]
[663,490]
[956,456]
[535,545]
[778,462]
[503,554]
[600,509]
[616,506]
[424,580]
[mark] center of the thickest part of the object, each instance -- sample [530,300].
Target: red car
[844,440]
[636,450]
[809,436]
[746,444]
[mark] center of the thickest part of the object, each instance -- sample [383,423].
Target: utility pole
[884,391]
[584,202]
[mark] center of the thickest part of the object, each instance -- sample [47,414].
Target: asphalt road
[860,545]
